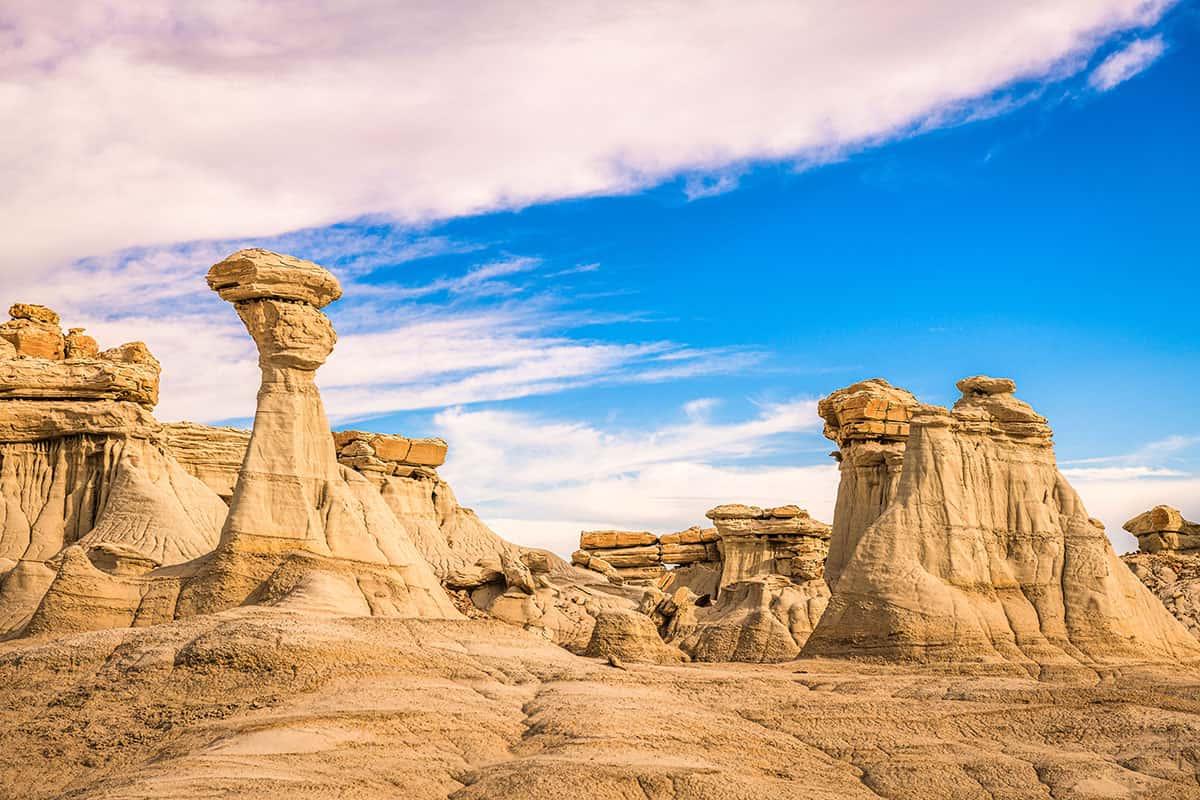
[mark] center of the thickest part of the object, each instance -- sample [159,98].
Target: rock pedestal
[1164,528]
[757,542]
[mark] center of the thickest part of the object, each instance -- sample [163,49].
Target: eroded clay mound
[987,555]
[87,489]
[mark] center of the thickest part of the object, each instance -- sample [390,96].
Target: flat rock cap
[33,312]
[985,384]
[257,274]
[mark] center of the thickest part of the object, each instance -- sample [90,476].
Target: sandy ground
[269,704]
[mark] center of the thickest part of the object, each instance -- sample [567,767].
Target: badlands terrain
[199,612]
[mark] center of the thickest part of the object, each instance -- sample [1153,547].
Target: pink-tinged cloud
[158,121]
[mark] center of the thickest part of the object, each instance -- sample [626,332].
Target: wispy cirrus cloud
[1122,65]
[488,330]
[161,121]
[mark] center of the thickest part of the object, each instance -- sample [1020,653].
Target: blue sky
[632,353]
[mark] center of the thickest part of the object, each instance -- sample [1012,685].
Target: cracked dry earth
[264,703]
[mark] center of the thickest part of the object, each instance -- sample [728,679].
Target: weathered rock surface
[1174,578]
[257,274]
[79,379]
[1169,561]
[869,422]
[212,454]
[987,556]
[629,636]
[262,703]
[765,619]
[33,333]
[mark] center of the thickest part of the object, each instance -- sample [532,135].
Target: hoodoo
[987,556]
[302,529]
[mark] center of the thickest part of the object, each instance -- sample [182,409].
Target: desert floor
[265,703]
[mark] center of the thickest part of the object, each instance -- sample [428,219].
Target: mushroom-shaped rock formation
[302,530]
[1169,561]
[986,556]
[770,592]
[869,422]
[1164,528]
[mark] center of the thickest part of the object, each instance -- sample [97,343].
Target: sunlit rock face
[987,556]
[869,422]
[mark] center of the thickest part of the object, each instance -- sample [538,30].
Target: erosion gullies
[986,556]
[84,474]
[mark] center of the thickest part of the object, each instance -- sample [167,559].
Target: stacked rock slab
[986,558]
[84,478]
[1168,561]
[771,587]
[631,555]
[640,556]
[869,422]
[1163,528]
[774,541]
[302,530]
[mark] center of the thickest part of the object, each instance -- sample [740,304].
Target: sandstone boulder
[79,345]
[629,636]
[257,274]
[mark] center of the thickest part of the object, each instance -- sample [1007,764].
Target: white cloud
[1124,64]
[1116,488]
[543,480]
[1120,473]
[159,121]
